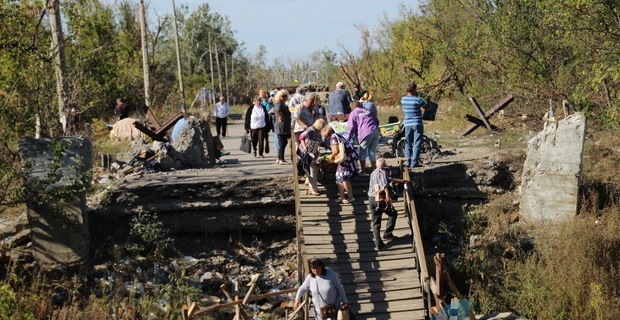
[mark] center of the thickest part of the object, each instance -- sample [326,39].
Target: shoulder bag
[328,310]
[342,152]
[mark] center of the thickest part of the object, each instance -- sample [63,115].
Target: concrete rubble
[57,169]
[552,171]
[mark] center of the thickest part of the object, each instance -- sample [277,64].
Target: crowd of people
[296,117]
[302,119]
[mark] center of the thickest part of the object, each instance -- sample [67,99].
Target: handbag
[246,144]
[343,314]
[328,310]
[342,152]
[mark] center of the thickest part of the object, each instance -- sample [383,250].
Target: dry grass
[565,271]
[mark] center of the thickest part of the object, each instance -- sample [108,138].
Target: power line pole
[145,57]
[180,69]
[60,65]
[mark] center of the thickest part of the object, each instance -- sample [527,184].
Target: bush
[149,238]
[572,273]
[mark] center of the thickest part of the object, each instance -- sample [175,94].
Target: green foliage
[10,307]
[149,238]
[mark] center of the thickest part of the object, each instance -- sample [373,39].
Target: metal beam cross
[484,117]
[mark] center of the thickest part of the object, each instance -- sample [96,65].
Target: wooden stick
[244,315]
[238,309]
[290,316]
[233,303]
[249,294]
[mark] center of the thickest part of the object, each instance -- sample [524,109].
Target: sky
[296,28]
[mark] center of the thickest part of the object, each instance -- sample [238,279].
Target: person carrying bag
[246,144]
[325,287]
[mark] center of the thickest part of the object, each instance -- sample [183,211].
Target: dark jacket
[248,118]
[339,102]
[283,127]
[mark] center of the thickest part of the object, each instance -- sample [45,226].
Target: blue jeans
[369,145]
[276,142]
[413,144]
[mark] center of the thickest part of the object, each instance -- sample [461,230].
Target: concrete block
[56,178]
[552,171]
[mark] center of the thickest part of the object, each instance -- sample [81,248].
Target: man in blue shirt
[414,128]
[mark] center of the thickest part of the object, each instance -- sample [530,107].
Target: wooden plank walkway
[379,284]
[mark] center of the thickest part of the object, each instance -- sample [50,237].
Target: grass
[564,271]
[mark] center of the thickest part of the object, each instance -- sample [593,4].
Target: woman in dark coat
[282,123]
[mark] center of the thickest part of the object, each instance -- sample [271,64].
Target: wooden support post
[240,310]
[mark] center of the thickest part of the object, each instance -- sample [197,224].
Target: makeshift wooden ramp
[379,284]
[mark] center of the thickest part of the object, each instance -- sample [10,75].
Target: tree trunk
[226,76]
[60,65]
[145,57]
[179,67]
[211,71]
[219,73]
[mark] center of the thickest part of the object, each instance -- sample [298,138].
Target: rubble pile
[206,273]
[190,149]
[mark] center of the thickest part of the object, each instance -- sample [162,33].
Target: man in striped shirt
[414,128]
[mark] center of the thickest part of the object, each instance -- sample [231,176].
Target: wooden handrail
[431,287]
[415,225]
[425,279]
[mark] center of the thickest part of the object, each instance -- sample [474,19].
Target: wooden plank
[351,232]
[394,315]
[381,284]
[367,257]
[324,241]
[379,287]
[382,281]
[148,132]
[391,295]
[383,265]
[480,113]
[390,306]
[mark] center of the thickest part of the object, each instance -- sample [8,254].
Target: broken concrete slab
[552,171]
[193,148]
[56,177]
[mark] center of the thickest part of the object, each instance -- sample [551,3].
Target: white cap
[339,84]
